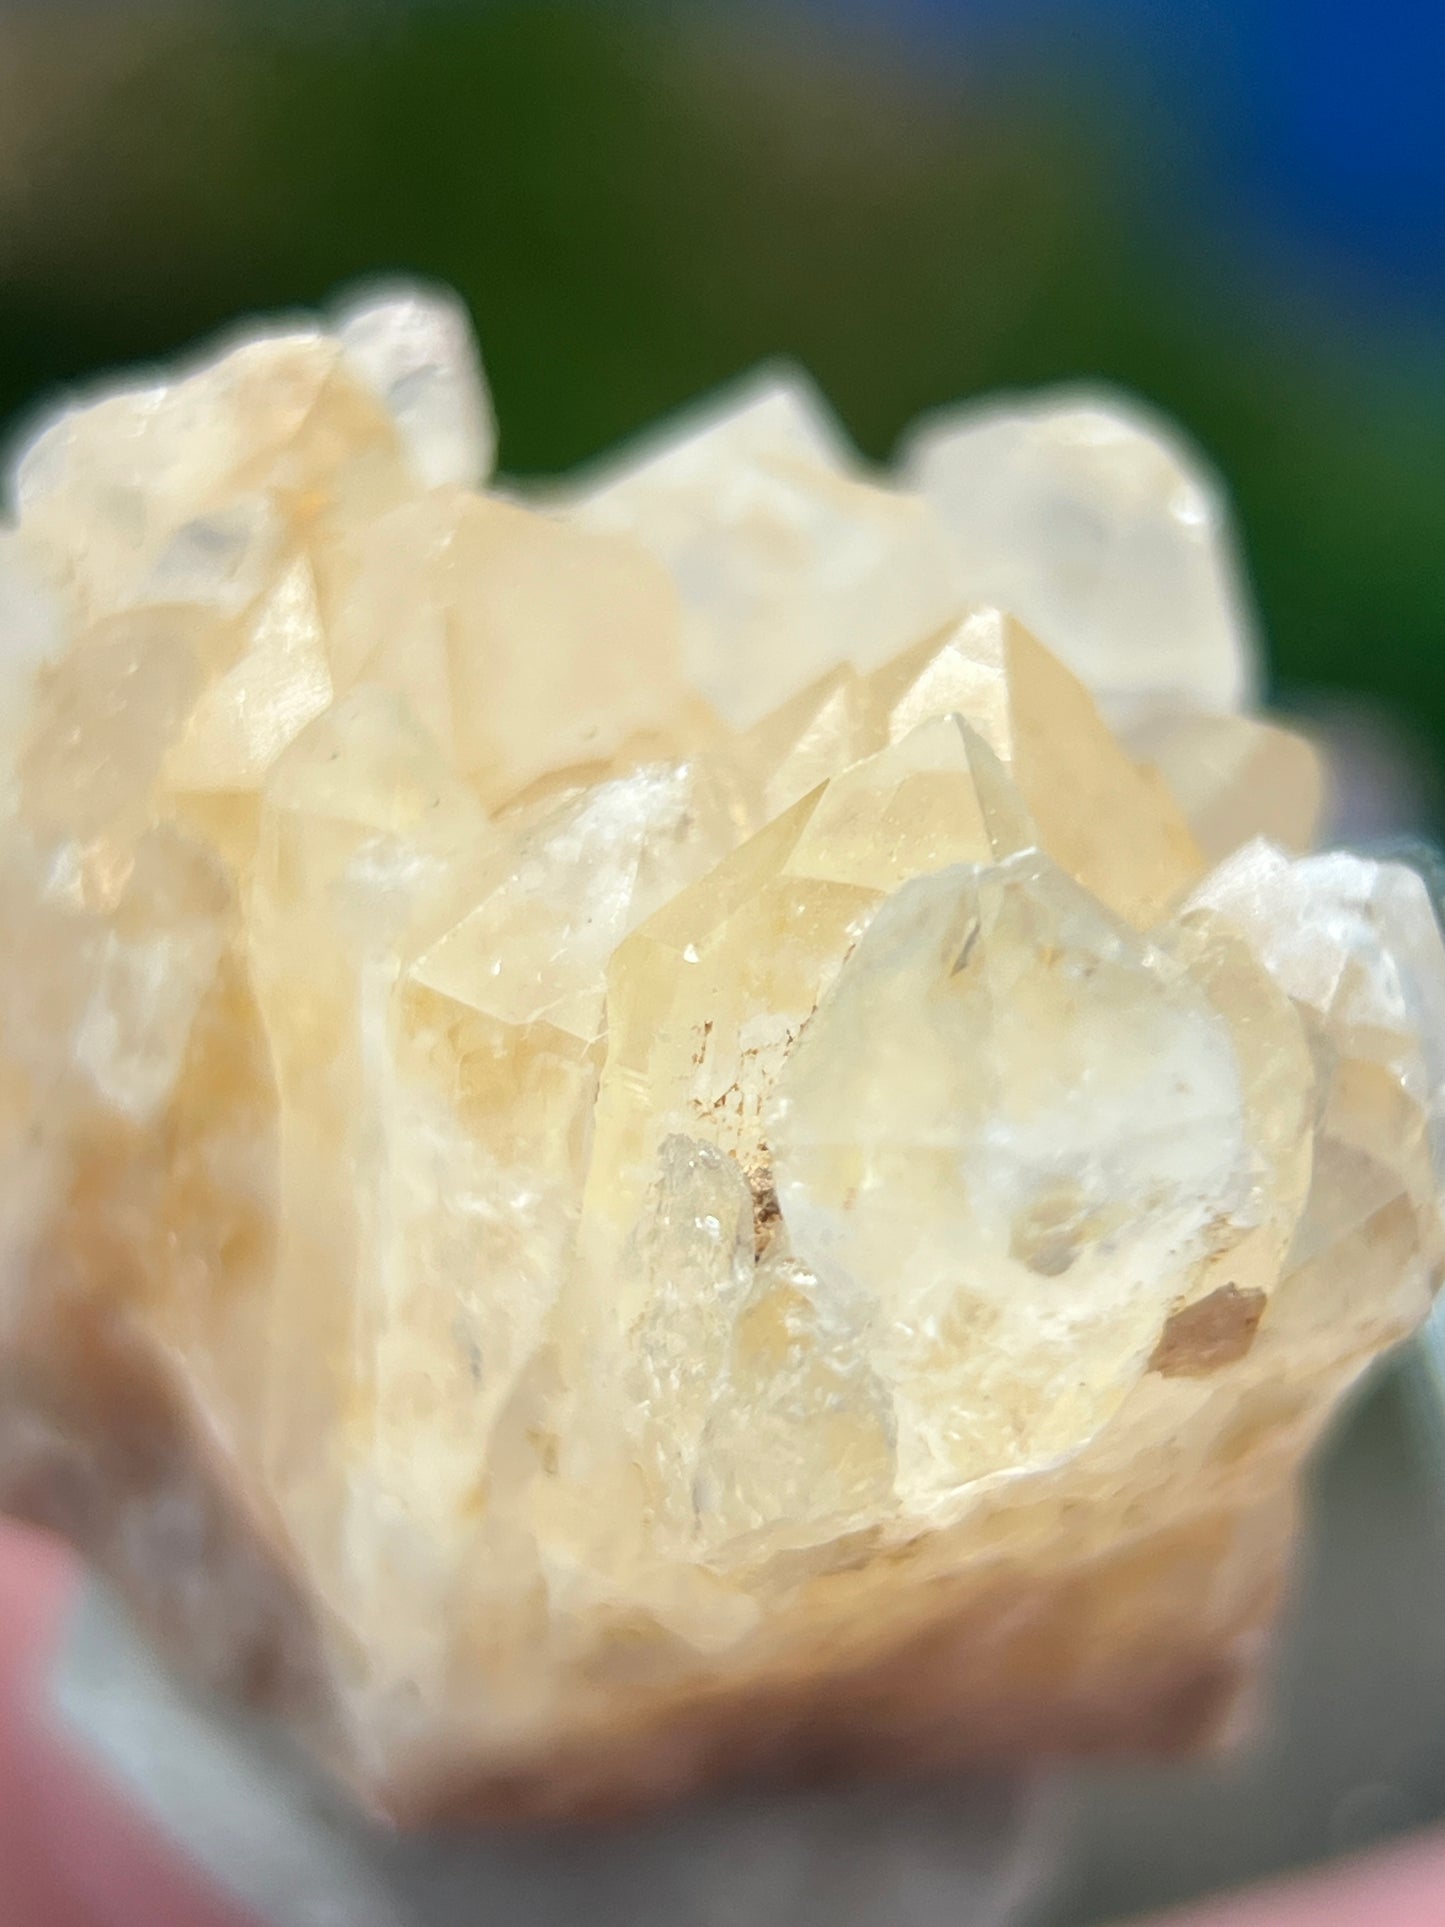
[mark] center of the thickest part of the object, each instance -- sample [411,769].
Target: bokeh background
[1235,207]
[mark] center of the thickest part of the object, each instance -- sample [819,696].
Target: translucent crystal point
[525,644]
[786,556]
[1097,813]
[1234,777]
[1096,526]
[417,352]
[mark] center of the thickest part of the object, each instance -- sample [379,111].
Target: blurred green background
[637,203]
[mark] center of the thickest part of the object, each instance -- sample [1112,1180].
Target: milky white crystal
[416,352]
[769,527]
[634,1145]
[1101,530]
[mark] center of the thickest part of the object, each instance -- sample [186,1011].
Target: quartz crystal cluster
[707,1121]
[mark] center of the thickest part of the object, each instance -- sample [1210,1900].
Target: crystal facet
[787,556]
[683,1126]
[1092,522]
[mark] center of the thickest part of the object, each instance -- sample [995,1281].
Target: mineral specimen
[638,1142]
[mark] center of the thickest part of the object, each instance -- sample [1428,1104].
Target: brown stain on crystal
[767,1212]
[1204,1338]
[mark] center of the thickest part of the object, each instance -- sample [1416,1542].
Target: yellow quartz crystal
[683,1128]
